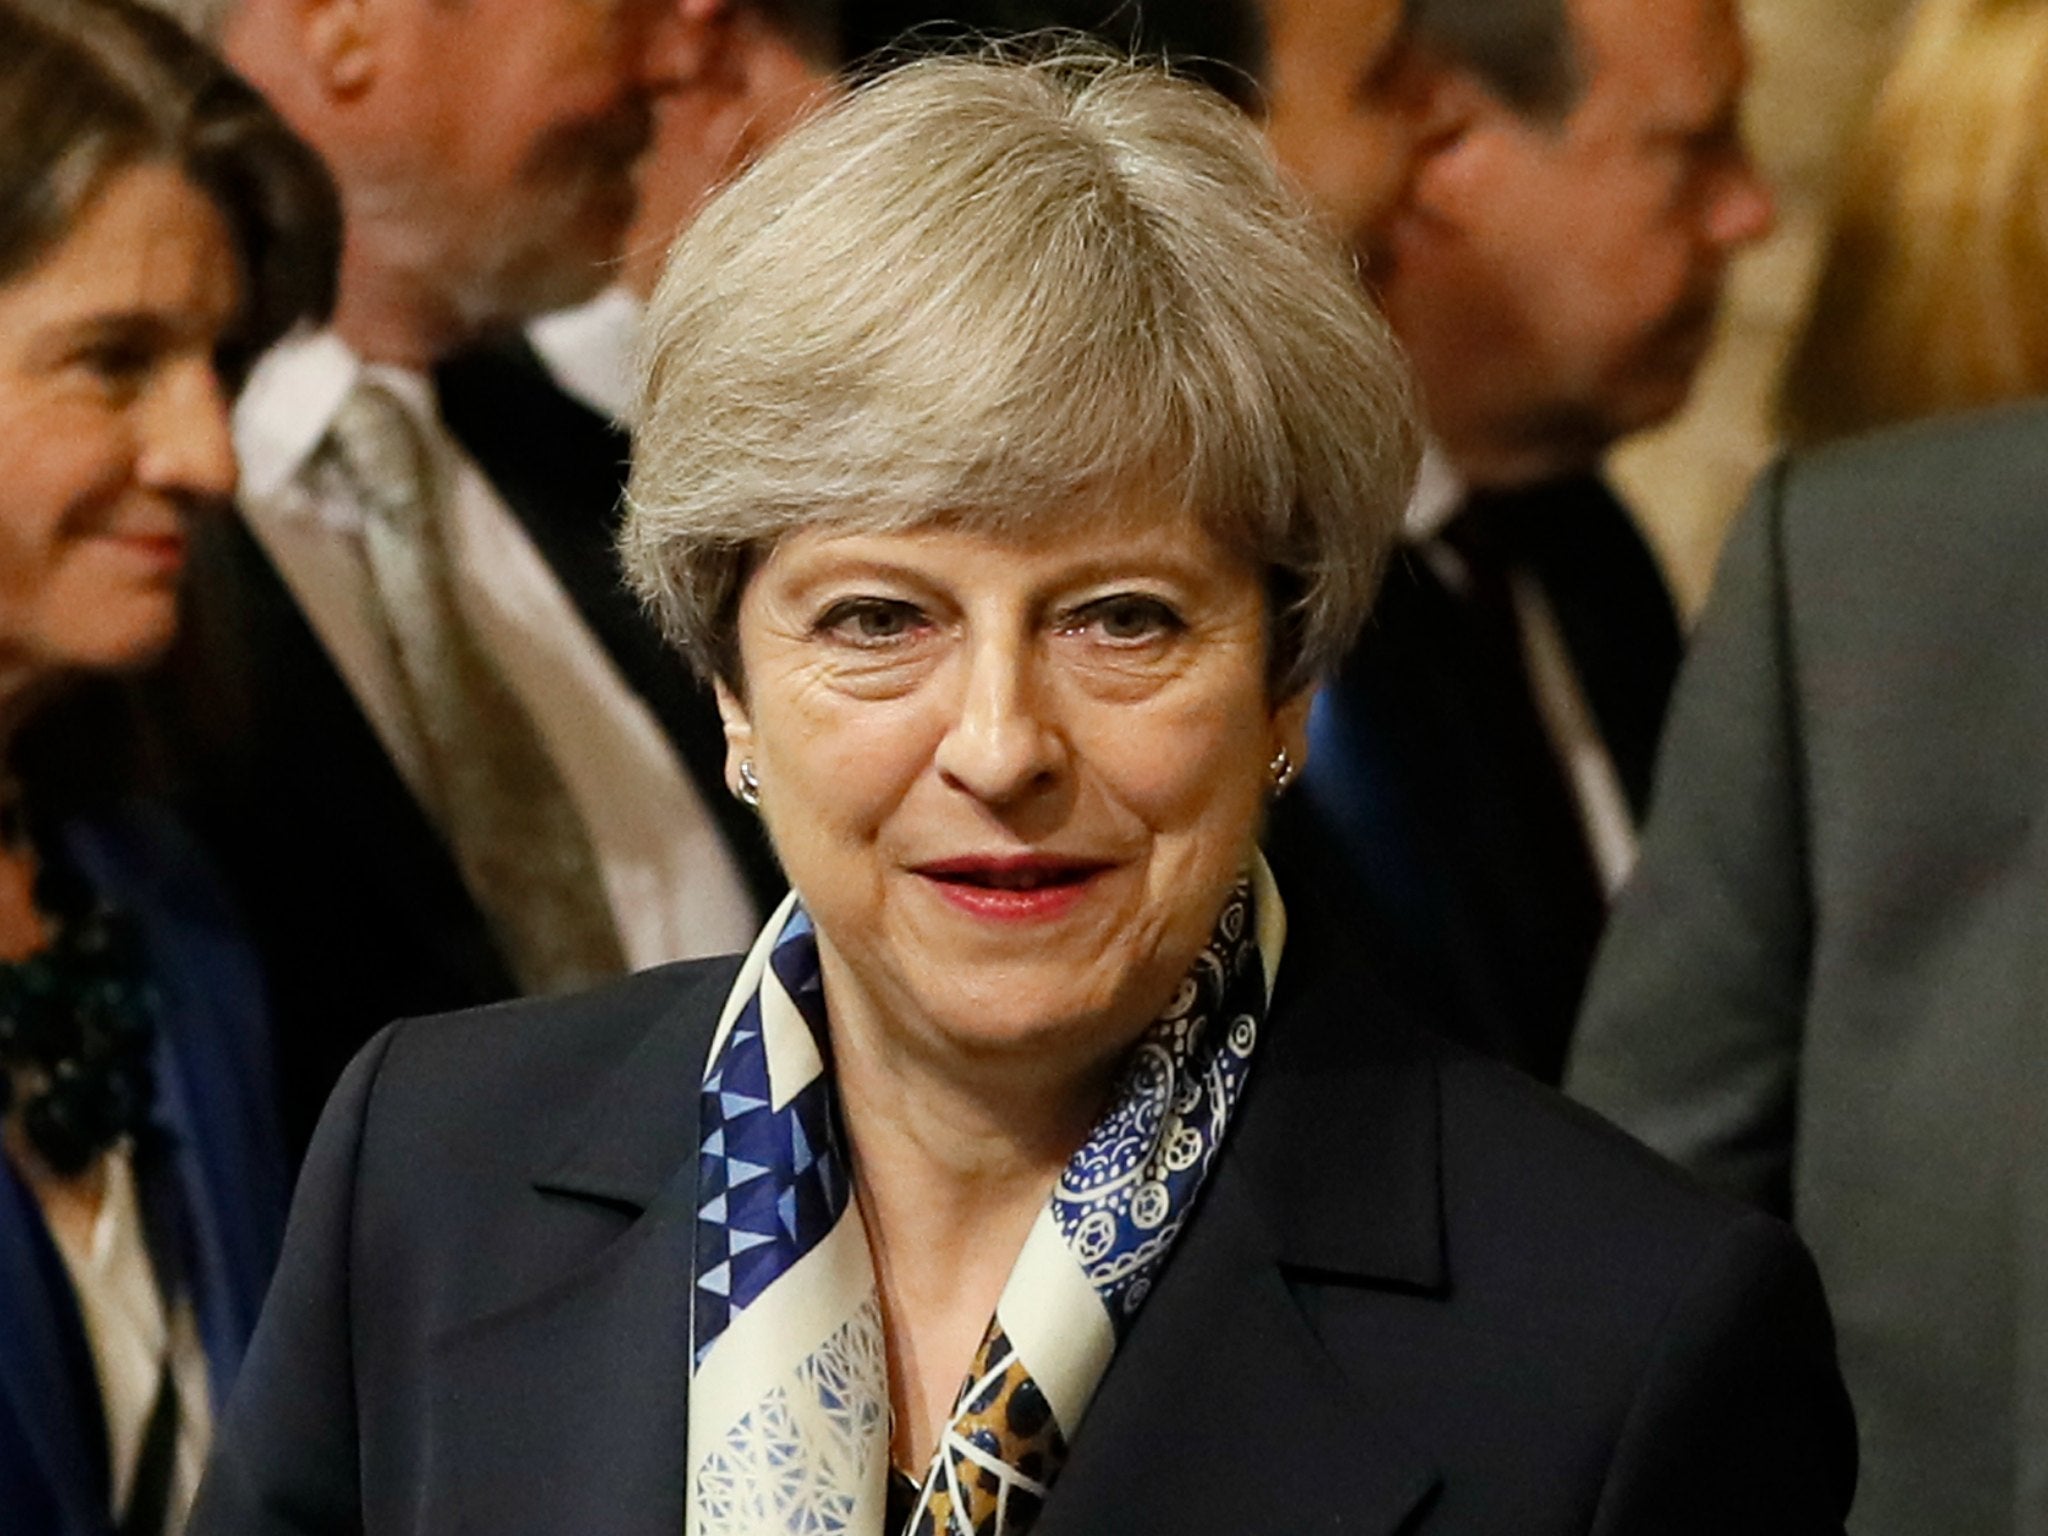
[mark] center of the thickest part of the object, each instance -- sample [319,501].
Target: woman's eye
[871,620]
[116,365]
[1126,618]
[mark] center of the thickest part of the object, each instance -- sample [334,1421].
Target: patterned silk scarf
[789,1392]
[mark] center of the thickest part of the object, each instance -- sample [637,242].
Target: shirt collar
[290,402]
[1439,491]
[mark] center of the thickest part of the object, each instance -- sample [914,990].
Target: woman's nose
[1744,209]
[187,449]
[1002,745]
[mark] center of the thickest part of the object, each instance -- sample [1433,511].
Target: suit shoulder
[524,1065]
[1902,551]
[578,1032]
[1982,466]
[1580,1210]
[1697,1325]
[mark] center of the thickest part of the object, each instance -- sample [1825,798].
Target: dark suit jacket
[354,899]
[213,1183]
[1434,806]
[1421,1295]
[1826,990]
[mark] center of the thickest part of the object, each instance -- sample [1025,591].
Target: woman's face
[113,429]
[1013,781]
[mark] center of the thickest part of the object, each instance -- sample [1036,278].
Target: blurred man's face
[1559,281]
[1339,119]
[752,84]
[516,127]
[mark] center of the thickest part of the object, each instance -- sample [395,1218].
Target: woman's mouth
[1031,887]
[163,551]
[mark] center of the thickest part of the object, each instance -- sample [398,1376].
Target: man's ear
[340,40]
[739,732]
[1453,116]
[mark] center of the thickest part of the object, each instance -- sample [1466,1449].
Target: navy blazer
[220,1151]
[1420,1295]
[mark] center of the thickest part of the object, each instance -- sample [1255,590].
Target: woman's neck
[23,690]
[23,929]
[950,1178]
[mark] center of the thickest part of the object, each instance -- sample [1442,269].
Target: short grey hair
[1525,51]
[982,291]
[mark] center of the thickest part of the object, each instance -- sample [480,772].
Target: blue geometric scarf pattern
[771,1181]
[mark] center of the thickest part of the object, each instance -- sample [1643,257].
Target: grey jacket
[1826,990]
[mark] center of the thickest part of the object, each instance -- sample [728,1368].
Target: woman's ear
[739,731]
[1290,727]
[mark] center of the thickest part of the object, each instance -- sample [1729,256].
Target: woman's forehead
[1068,542]
[1141,502]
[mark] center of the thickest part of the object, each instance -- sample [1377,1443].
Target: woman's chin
[133,638]
[1038,1017]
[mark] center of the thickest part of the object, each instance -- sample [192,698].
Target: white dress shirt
[589,349]
[675,891]
[132,1336]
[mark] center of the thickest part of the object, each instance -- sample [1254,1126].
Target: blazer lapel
[213,1074]
[45,1376]
[567,1411]
[1223,1412]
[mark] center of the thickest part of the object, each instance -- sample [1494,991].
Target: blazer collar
[631,1138]
[1343,1081]
[46,1375]
[1223,1411]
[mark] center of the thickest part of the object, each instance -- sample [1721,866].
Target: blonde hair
[986,290]
[1930,298]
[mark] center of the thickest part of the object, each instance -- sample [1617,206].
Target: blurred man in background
[436,749]
[1344,100]
[749,72]
[1554,272]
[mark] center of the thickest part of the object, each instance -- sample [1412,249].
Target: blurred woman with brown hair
[157,224]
